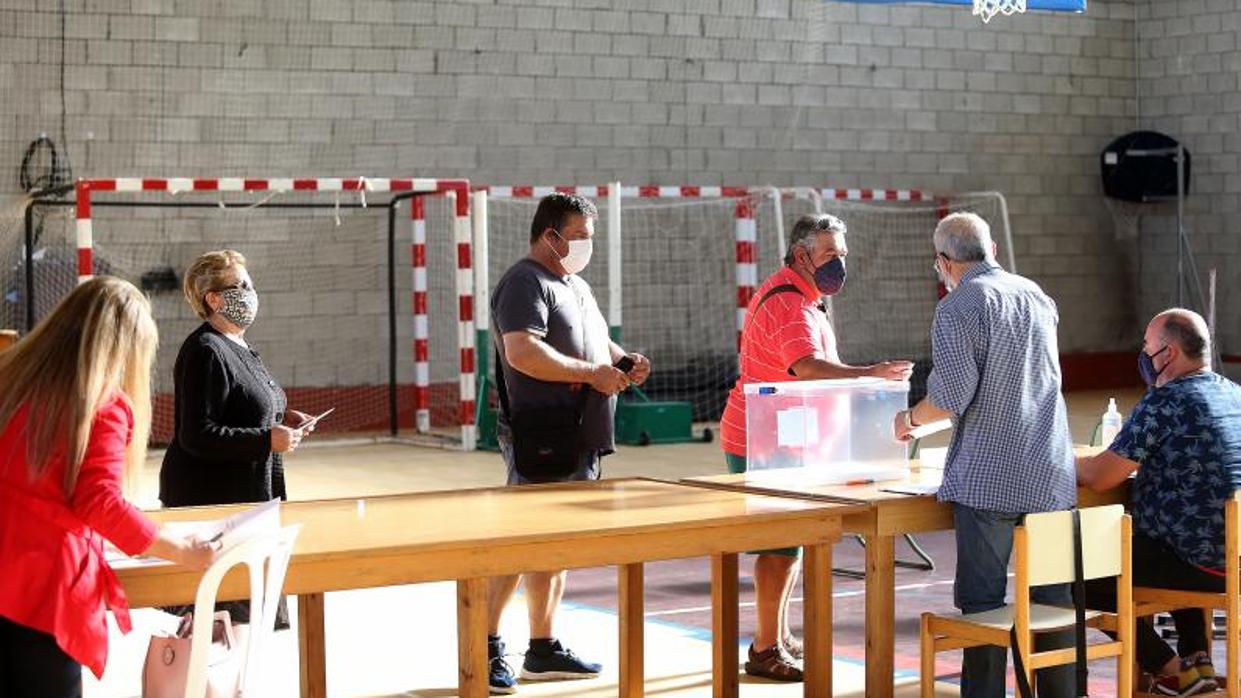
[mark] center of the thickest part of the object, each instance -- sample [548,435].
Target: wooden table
[887,516]
[471,535]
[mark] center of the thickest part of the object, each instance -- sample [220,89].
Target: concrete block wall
[784,92]
[1189,67]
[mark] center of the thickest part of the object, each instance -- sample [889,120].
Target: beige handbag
[165,671]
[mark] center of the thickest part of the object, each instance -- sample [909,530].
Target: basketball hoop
[990,8]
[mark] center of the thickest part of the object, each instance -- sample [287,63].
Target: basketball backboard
[989,8]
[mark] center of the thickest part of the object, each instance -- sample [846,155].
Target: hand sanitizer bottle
[1111,423]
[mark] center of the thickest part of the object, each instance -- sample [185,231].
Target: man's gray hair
[1188,331]
[807,228]
[964,237]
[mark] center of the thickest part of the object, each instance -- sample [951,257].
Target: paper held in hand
[315,419]
[229,531]
[925,430]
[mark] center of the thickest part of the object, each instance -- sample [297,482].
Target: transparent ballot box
[832,430]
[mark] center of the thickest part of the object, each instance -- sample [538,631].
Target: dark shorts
[736,465]
[588,467]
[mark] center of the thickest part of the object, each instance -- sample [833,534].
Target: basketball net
[990,8]
[1126,217]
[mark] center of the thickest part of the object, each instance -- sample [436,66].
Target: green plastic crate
[651,422]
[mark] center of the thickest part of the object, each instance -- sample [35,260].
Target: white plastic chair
[1043,547]
[267,557]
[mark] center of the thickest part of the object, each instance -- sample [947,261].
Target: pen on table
[216,538]
[864,481]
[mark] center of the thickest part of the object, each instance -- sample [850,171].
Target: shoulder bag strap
[501,386]
[1079,629]
[581,309]
[776,290]
[1079,605]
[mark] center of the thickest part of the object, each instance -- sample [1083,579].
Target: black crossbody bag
[547,441]
[1024,689]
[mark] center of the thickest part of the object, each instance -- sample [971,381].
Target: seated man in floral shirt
[1184,441]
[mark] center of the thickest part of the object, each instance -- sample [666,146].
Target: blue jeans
[984,544]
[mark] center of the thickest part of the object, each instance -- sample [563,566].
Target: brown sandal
[775,664]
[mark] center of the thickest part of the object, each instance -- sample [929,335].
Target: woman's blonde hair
[212,271]
[99,339]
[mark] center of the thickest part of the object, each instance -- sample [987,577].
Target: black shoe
[499,674]
[548,660]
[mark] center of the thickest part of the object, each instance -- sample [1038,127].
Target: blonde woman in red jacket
[75,412]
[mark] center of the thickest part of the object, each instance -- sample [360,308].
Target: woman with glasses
[232,425]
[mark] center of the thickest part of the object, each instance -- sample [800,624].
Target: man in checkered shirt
[996,373]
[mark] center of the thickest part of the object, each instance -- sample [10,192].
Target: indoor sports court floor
[401,641]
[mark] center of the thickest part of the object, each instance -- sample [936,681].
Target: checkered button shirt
[997,369]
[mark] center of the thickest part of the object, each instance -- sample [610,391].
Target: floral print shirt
[1186,439]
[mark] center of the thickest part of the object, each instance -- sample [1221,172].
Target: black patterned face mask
[241,306]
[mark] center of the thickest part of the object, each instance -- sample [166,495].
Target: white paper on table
[914,489]
[796,427]
[933,457]
[810,477]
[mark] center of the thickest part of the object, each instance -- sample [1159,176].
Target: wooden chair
[1043,547]
[1148,601]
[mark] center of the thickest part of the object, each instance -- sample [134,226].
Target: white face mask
[579,254]
[944,278]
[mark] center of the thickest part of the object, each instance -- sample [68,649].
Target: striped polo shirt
[785,329]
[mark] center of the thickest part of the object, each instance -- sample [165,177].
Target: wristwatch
[909,419]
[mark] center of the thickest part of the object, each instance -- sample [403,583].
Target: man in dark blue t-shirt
[1184,441]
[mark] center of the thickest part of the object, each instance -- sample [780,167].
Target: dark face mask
[829,278]
[1146,366]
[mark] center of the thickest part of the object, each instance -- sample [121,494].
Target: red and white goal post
[675,283]
[455,193]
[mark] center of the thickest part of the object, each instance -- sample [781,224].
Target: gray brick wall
[1189,63]
[783,92]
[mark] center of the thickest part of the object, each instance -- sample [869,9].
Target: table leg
[472,638]
[632,620]
[310,645]
[724,620]
[817,622]
[880,615]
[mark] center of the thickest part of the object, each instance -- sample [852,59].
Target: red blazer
[56,579]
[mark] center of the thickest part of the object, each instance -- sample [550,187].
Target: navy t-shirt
[562,312]
[1186,439]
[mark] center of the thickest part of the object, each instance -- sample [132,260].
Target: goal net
[682,276]
[331,328]
[885,310]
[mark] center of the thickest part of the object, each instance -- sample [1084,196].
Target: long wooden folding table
[471,535]
[886,516]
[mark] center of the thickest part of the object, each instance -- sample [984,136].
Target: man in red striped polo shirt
[786,337]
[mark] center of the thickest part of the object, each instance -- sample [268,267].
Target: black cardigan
[226,405]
